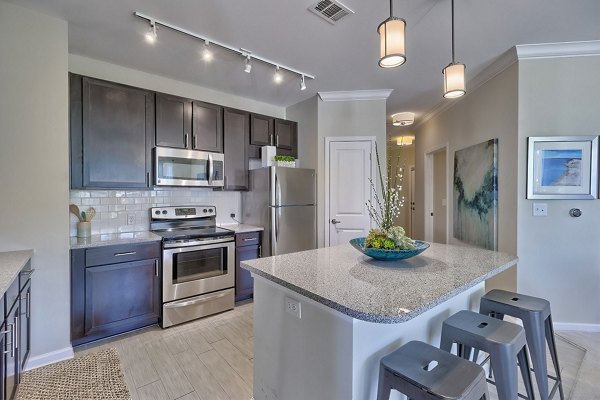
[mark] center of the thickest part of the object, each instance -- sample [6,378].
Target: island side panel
[372,341]
[299,359]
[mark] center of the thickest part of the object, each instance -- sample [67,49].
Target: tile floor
[211,359]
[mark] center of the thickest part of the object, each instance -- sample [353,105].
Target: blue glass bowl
[388,255]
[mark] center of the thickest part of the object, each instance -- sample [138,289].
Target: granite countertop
[346,280]
[114,238]
[242,228]
[11,263]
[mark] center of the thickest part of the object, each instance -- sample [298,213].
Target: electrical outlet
[540,209]
[232,215]
[293,307]
[130,219]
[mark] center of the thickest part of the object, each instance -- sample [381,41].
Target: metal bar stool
[537,321]
[503,341]
[424,372]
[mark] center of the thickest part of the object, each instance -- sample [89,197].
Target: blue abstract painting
[561,167]
[476,195]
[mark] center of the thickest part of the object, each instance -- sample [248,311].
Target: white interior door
[350,168]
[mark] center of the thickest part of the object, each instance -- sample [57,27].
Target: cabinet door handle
[28,272]
[250,239]
[15,336]
[185,138]
[126,253]
[194,141]
[155,267]
[28,307]
[276,140]
[259,251]
[10,330]
[147,178]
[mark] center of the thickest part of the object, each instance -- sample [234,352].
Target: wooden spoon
[75,210]
[90,214]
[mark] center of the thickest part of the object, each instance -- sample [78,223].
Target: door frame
[328,141]
[411,198]
[428,205]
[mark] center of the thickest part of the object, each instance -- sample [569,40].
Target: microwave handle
[210,169]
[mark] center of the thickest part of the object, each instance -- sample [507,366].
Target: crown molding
[501,63]
[555,50]
[353,95]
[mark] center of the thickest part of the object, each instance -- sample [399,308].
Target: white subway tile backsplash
[112,206]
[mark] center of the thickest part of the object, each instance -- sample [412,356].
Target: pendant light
[454,73]
[391,41]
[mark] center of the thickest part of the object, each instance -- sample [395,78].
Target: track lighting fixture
[454,73]
[278,78]
[248,65]
[207,54]
[151,35]
[392,41]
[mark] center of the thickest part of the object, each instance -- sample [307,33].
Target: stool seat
[536,316]
[406,370]
[517,302]
[504,341]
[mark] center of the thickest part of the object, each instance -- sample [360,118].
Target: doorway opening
[436,195]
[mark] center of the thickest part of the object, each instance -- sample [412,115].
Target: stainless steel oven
[178,167]
[198,263]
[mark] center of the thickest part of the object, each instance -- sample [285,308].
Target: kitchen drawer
[11,296]
[247,239]
[25,275]
[121,253]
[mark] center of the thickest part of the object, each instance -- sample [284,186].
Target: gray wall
[318,119]
[560,255]
[489,111]
[402,157]
[34,161]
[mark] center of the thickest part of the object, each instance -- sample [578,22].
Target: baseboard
[49,358]
[569,326]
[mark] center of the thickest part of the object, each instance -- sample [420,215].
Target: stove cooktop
[194,233]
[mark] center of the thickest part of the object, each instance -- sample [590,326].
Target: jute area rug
[93,376]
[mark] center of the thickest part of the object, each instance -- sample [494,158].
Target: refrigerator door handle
[277,211]
[277,190]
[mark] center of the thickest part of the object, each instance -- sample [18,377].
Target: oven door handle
[196,301]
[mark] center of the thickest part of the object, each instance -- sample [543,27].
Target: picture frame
[562,167]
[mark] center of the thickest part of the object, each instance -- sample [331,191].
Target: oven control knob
[211,210]
[205,211]
[157,212]
[164,212]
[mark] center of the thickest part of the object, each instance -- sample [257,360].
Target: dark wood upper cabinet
[112,127]
[173,121]
[207,127]
[286,137]
[236,134]
[261,130]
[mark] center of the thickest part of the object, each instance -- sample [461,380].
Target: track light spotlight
[247,65]
[151,35]
[278,78]
[302,83]
[207,55]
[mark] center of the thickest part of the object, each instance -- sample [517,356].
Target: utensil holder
[84,229]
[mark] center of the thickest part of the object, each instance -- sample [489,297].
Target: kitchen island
[324,318]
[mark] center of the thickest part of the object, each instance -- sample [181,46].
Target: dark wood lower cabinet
[15,340]
[247,248]
[114,298]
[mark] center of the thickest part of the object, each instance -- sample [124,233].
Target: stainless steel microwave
[178,167]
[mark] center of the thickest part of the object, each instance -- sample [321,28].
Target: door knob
[335,221]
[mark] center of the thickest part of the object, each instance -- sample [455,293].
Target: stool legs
[384,386]
[534,330]
[524,367]
[507,383]
[552,345]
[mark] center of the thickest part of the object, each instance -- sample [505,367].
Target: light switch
[540,209]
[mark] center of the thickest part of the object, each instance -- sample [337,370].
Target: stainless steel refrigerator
[284,202]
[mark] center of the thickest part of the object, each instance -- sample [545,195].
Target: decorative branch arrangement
[385,209]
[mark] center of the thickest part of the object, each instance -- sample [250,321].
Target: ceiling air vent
[330,10]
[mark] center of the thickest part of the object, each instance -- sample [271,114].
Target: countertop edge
[15,268]
[114,242]
[382,319]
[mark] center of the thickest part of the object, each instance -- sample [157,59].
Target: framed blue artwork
[562,167]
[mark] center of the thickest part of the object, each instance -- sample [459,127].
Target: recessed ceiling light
[403,119]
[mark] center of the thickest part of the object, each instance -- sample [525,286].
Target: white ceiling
[342,56]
